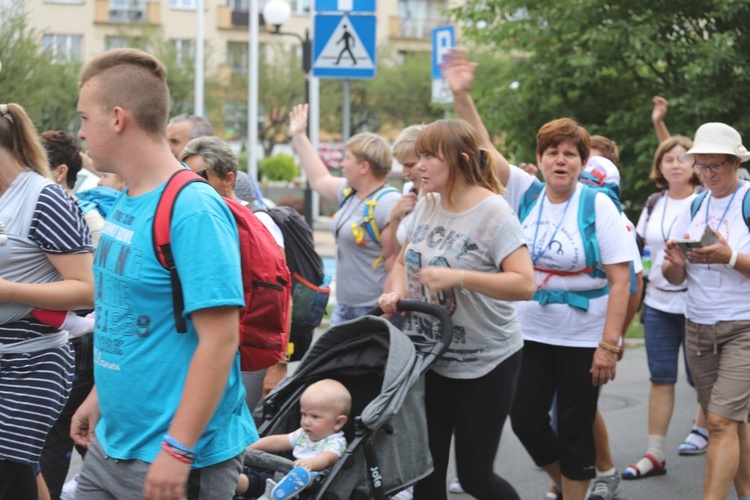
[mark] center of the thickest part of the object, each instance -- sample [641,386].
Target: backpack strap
[651,202]
[162,239]
[529,199]
[587,227]
[746,209]
[369,218]
[697,202]
[348,192]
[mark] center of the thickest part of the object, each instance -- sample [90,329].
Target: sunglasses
[202,173]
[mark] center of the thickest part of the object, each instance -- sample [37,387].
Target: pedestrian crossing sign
[344,46]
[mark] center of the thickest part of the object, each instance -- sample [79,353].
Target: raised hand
[660,109]
[458,71]
[298,119]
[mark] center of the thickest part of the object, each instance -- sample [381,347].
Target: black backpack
[306,268]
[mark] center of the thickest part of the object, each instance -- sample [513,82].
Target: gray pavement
[624,404]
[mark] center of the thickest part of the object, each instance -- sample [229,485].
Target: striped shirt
[34,386]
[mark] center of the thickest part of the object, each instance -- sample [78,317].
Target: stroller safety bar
[446,326]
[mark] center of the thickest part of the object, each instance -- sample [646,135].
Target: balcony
[413,29]
[229,19]
[127,12]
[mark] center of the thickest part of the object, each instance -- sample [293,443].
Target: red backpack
[265,278]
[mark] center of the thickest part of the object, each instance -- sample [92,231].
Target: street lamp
[276,13]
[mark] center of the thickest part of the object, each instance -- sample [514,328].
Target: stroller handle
[446,326]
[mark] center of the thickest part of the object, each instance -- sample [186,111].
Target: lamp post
[276,13]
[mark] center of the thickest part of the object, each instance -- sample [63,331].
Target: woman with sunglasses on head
[717,276]
[465,251]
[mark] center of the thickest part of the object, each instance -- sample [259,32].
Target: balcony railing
[414,29]
[127,12]
[235,19]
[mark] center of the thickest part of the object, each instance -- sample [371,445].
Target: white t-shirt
[561,324]
[267,221]
[660,293]
[304,447]
[716,293]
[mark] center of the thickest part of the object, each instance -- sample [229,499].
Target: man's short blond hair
[374,150]
[134,80]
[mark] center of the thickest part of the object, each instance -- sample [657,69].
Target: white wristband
[732,260]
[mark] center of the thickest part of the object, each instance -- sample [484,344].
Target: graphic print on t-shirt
[120,265]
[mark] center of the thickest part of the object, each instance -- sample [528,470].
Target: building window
[237,57]
[184,51]
[127,11]
[183,4]
[64,47]
[301,6]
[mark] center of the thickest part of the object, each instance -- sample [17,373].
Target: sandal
[658,468]
[688,447]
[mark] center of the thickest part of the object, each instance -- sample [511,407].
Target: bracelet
[609,348]
[177,445]
[732,260]
[176,454]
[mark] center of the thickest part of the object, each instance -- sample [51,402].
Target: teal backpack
[587,227]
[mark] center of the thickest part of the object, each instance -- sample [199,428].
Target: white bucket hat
[717,138]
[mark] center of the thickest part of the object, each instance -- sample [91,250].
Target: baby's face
[318,420]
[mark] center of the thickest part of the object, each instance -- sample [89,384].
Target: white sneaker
[455,487]
[69,489]
[605,487]
[407,494]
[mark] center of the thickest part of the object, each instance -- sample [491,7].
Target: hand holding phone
[708,238]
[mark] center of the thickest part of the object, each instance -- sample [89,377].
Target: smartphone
[708,238]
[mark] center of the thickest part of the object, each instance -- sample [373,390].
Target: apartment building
[83,28]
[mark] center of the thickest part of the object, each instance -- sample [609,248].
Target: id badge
[709,277]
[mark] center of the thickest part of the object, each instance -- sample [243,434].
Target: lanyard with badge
[712,277]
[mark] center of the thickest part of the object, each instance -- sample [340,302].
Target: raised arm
[320,178]
[657,116]
[459,73]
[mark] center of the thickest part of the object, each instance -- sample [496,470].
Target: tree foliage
[30,76]
[601,61]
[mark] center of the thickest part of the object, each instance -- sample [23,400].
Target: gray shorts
[719,359]
[103,478]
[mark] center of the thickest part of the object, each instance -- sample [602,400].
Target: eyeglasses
[202,173]
[713,167]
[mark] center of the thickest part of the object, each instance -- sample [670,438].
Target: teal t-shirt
[141,362]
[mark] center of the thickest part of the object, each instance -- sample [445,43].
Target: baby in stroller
[316,445]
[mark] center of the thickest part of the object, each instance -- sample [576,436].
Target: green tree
[601,61]
[45,86]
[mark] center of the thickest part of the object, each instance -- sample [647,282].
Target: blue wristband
[176,444]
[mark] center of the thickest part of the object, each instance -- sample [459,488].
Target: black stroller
[387,431]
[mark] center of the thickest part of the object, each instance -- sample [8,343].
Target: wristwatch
[732,260]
